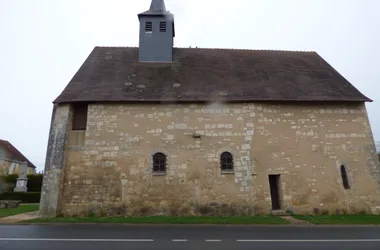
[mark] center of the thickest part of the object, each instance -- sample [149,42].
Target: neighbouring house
[157,129]
[11,160]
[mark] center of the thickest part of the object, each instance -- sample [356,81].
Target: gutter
[5,159]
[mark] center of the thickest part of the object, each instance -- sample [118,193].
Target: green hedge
[11,179]
[34,181]
[2,184]
[29,197]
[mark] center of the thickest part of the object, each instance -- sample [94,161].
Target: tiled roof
[206,75]
[16,155]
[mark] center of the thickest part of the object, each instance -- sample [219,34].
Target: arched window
[159,163]
[226,162]
[343,173]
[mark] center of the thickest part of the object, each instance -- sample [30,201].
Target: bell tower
[156,33]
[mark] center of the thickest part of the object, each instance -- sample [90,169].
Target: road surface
[177,237]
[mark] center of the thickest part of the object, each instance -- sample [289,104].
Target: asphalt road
[142,237]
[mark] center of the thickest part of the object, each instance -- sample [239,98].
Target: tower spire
[158,5]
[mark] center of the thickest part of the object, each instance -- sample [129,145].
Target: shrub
[316,211]
[103,212]
[290,210]
[35,182]
[144,211]
[325,212]
[362,212]
[11,179]
[8,187]
[338,211]
[91,213]
[205,210]
[174,211]
[28,197]
[184,211]
[7,183]
[2,184]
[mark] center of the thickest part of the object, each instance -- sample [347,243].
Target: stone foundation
[9,204]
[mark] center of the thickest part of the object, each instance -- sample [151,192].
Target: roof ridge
[274,50]
[114,46]
[208,48]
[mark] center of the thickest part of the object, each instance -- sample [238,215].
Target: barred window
[159,163]
[226,162]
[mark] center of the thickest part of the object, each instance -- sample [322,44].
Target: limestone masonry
[108,167]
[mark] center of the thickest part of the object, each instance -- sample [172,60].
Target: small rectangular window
[162,26]
[80,116]
[148,27]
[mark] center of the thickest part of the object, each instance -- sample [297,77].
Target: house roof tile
[16,155]
[205,75]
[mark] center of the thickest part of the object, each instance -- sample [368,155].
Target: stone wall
[16,167]
[51,193]
[4,167]
[108,168]
[307,145]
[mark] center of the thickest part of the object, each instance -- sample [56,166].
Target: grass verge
[341,219]
[167,220]
[4,212]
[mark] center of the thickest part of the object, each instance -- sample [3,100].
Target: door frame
[275,188]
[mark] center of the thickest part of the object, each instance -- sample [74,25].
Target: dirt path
[295,221]
[19,217]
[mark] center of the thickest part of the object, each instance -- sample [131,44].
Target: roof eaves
[17,154]
[341,76]
[209,100]
[84,62]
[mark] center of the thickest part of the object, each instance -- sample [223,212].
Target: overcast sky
[44,42]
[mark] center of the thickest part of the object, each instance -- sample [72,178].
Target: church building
[161,130]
